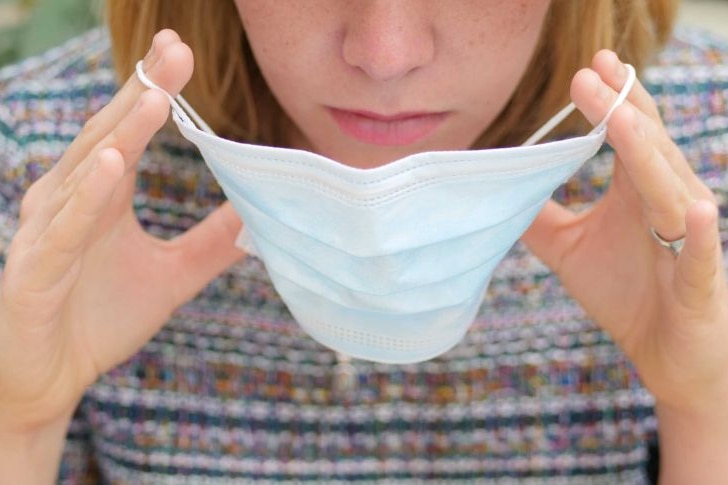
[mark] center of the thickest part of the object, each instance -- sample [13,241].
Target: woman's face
[371,81]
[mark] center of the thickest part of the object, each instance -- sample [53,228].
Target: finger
[664,195]
[132,136]
[614,74]
[637,140]
[204,251]
[699,268]
[129,138]
[61,246]
[593,97]
[170,66]
[595,90]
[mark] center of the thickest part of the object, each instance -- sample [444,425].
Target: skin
[391,57]
[80,257]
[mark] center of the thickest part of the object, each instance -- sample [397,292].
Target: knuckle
[94,127]
[684,196]
[61,244]
[705,193]
[65,189]
[111,140]
[14,299]
[30,202]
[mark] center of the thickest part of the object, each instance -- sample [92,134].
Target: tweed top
[231,390]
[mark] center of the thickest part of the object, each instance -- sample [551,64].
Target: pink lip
[388,130]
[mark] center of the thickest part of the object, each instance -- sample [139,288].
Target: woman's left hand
[669,314]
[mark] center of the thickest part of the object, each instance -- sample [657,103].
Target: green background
[42,24]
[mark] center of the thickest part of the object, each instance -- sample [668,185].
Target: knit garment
[231,390]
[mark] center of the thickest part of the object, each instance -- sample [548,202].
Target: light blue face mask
[388,264]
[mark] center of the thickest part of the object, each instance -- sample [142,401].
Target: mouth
[387,130]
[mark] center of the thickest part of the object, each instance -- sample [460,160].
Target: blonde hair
[229,92]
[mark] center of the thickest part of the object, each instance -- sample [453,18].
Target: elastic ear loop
[180,107]
[561,115]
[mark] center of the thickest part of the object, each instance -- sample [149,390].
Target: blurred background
[28,27]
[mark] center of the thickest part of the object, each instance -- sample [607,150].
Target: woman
[166,348]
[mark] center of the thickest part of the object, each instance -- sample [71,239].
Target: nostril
[388,48]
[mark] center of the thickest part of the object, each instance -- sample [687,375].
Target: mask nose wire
[561,115]
[181,109]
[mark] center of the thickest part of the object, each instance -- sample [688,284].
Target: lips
[387,130]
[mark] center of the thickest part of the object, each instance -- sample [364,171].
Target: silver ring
[674,246]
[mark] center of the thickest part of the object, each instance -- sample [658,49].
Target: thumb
[203,252]
[699,266]
[546,237]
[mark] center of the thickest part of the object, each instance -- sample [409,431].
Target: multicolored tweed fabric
[232,391]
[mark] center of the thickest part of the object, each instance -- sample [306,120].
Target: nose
[388,39]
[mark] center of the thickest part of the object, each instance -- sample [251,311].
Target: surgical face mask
[388,264]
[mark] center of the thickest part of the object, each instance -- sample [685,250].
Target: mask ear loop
[181,109]
[561,115]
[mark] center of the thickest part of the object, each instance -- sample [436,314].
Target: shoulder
[689,82]
[75,64]
[44,102]
[692,59]
[63,61]
[692,49]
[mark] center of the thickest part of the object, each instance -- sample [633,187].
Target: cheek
[500,41]
[485,46]
[526,16]
[514,25]
[280,36]
[273,31]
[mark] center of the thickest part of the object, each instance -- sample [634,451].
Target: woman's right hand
[84,286]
